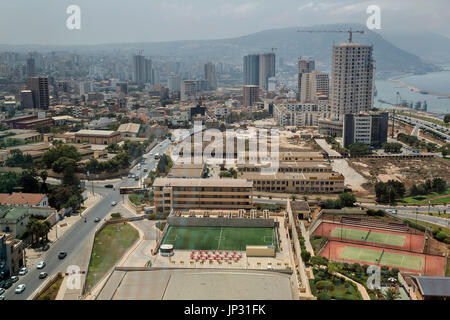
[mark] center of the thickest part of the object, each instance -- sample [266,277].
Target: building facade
[370,129]
[353,71]
[251,95]
[186,194]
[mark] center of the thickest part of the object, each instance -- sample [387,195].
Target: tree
[359,149]
[391,294]
[447,118]
[439,185]
[29,181]
[347,199]
[63,163]
[113,147]
[60,151]
[390,191]
[18,159]
[393,147]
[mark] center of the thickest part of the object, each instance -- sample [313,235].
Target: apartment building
[188,90]
[370,129]
[186,194]
[353,71]
[302,114]
[313,84]
[286,167]
[251,95]
[296,182]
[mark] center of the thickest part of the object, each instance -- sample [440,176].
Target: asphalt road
[75,240]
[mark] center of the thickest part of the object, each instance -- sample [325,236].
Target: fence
[220,222]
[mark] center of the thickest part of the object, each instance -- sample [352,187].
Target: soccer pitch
[387,258]
[219,238]
[364,235]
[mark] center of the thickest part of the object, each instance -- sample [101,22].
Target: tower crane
[350,32]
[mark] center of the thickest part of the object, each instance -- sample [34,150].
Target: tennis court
[382,257]
[218,238]
[369,236]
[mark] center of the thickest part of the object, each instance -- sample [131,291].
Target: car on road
[130,175]
[114,203]
[145,170]
[133,175]
[62,255]
[136,178]
[7,284]
[97,219]
[41,265]
[391,211]
[42,275]
[14,279]
[110,186]
[46,247]
[20,288]
[2,291]
[23,271]
[2,298]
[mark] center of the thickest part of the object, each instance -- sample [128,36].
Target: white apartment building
[306,114]
[189,90]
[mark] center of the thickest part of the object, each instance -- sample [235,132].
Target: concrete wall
[220,222]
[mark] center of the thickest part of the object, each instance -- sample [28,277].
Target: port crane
[350,32]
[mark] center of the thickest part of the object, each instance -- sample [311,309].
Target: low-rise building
[185,194]
[12,256]
[293,166]
[431,288]
[332,128]
[325,182]
[188,170]
[24,199]
[97,136]
[129,130]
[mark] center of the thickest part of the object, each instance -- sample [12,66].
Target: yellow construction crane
[350,32]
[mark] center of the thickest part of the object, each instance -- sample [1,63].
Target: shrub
[116,215]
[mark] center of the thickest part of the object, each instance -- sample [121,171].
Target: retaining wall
[220,222]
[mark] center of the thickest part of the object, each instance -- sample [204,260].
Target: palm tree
[305,198]
[293,197]
[391,294]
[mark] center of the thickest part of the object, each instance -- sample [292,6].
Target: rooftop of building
[12,212]
[129,127]
[290,164]
[98,133]
[186,170]
[180,182]
[19,198]
[292,176]
[434,286]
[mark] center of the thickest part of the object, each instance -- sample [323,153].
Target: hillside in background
[290,44]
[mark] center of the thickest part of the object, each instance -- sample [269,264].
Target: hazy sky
[106,21]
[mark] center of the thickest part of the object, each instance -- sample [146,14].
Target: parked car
[46,247]
[130,175]
[41,265]
[97,219]
[2,291]
[110,186]
[42,275]
[23,271]
[62,255]
[114,203]
[20,288]
[14,279]
[2,298]
[7,284]
[145,170]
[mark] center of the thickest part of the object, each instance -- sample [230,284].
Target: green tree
[60,151]
[347,199]
[447,118]
[391,294]
[359,149]
[29,182]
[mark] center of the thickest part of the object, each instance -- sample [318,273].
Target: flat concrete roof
[180,182]
[96,133]
[194,284]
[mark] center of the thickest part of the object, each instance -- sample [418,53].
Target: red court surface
[433,265]
[413,242]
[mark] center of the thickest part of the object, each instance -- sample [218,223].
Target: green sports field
[218,238]
[387,258]
[372,236]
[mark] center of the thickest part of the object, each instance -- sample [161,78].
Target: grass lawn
[439,198]
[343,290]
[317,242]
[219,238]
[109,246]
[52,291]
